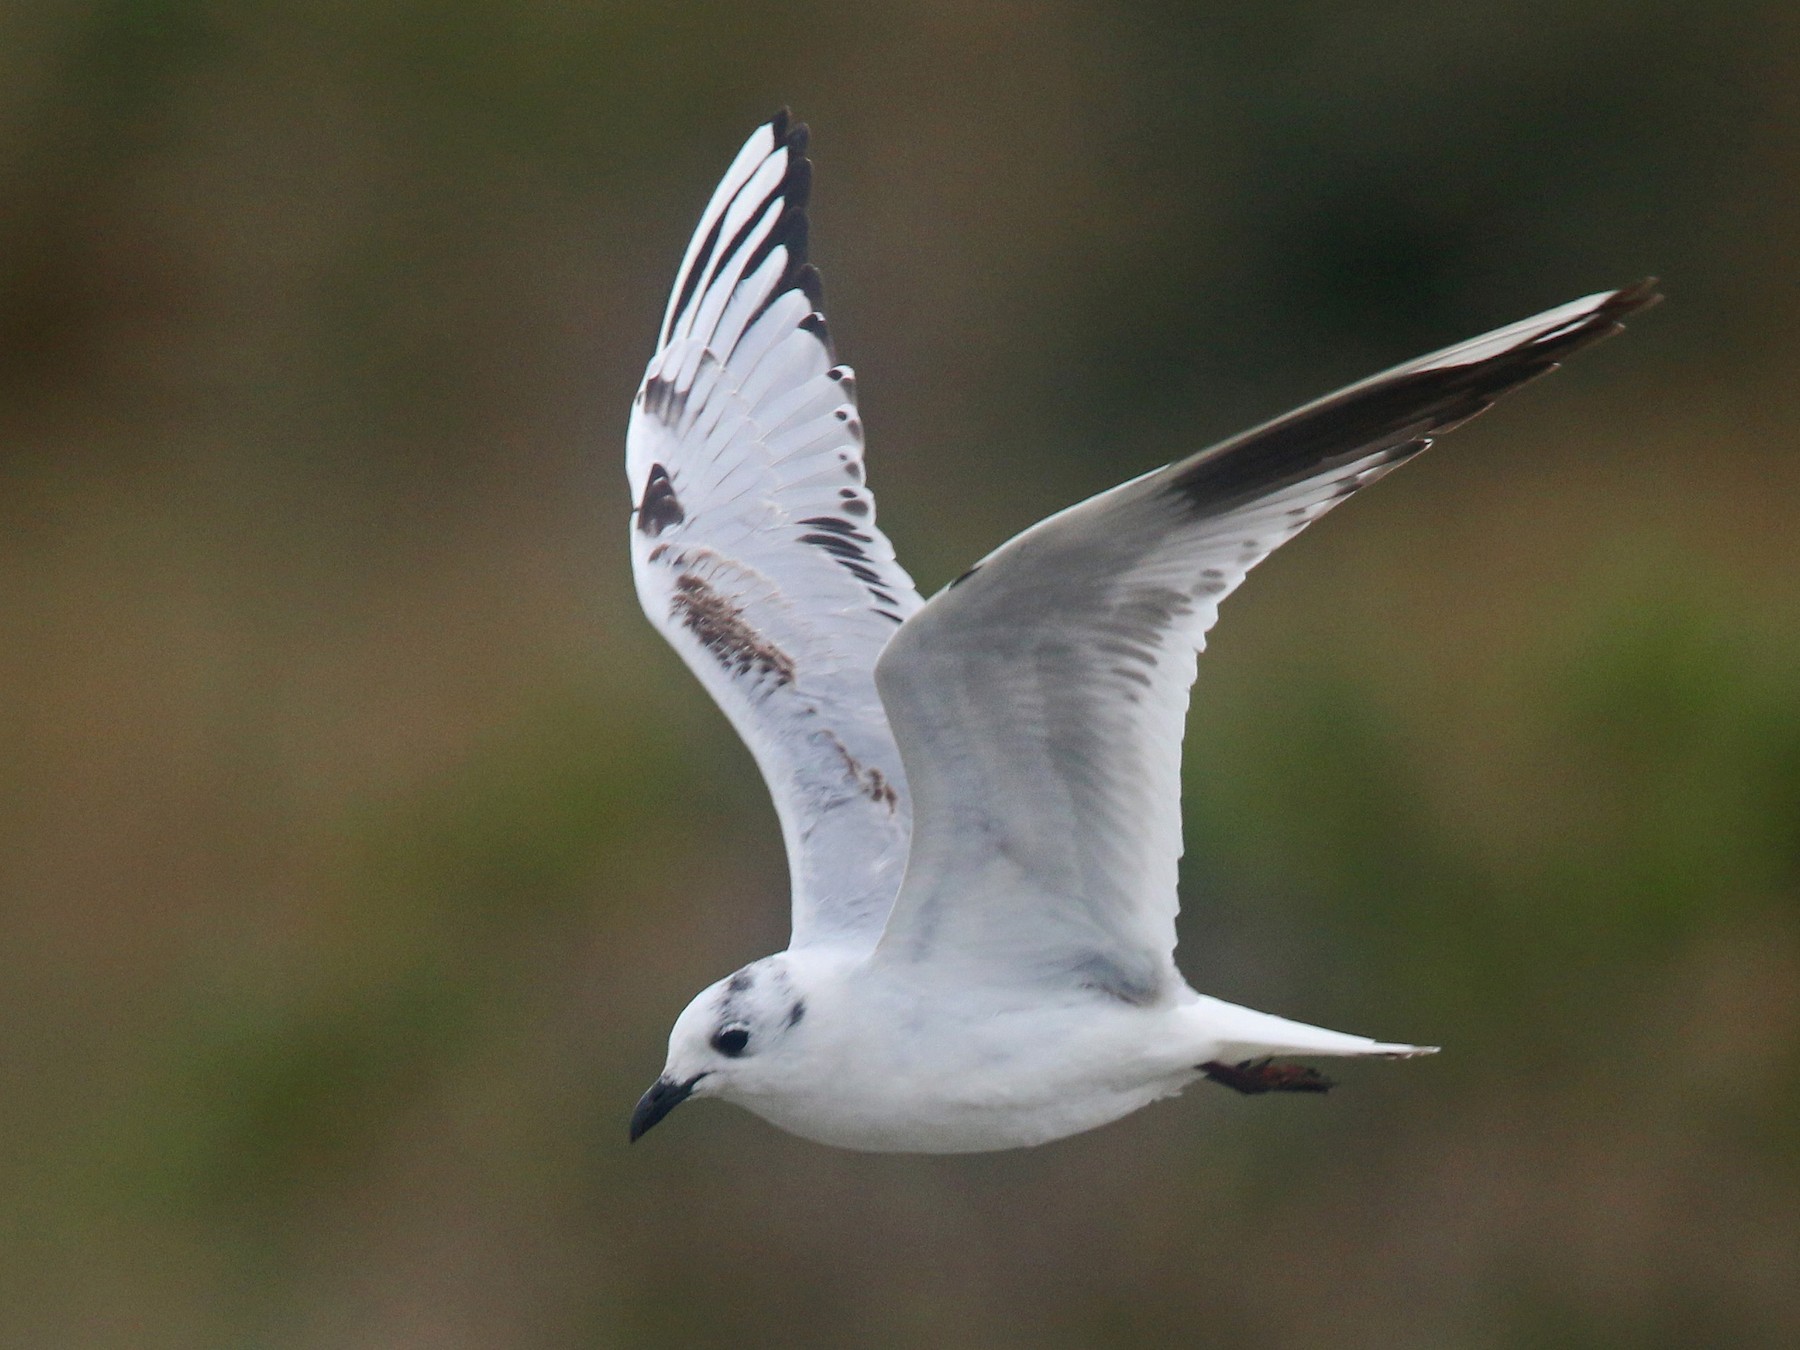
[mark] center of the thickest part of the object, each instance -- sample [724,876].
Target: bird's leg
[1251,1076]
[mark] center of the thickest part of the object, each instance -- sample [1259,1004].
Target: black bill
[664,1096]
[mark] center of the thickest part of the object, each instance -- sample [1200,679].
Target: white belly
[954,1126]
[995,1078]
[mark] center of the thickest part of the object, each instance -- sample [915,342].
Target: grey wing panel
[1040,703]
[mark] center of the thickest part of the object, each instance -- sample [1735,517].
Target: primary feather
[1040,702]
[754,543]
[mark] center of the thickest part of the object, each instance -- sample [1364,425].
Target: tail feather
[1238,1033]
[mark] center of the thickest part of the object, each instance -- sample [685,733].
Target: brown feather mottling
[722,630]
[870,781]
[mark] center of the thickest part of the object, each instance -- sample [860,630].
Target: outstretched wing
[753,540]
[1040,702]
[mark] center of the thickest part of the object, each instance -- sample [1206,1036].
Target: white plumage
[1011,748]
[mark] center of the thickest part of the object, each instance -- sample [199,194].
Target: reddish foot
[1262,1075]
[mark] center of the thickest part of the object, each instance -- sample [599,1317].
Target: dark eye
[731,1041]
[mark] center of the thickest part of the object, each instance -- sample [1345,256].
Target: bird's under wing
[1040,701]
[753,537]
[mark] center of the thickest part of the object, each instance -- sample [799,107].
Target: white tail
[1243,1033]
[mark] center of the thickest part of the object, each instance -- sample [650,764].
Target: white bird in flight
[980,793]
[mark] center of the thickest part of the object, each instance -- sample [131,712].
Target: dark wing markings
[722,629]
[661,508]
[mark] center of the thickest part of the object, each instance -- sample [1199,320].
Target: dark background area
[361,840]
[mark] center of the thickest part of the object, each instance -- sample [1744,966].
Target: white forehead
[748,996]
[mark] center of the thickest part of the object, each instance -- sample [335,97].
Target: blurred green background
[361,840]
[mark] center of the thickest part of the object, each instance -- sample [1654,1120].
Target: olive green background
[361,840]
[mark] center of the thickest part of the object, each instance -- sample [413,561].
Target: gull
[979,794]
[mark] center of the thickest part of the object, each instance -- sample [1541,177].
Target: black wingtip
[1602,321]
[792,229]
[786,131]
[1396,414]
[1609,315]
[796,185]
[789,233]
[807,279]
[1630,299]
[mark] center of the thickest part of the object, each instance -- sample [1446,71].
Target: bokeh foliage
[361,840]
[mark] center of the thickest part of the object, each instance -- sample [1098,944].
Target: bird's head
[735,1035]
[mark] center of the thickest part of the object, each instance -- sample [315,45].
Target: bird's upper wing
[1040,701]
[753,538]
